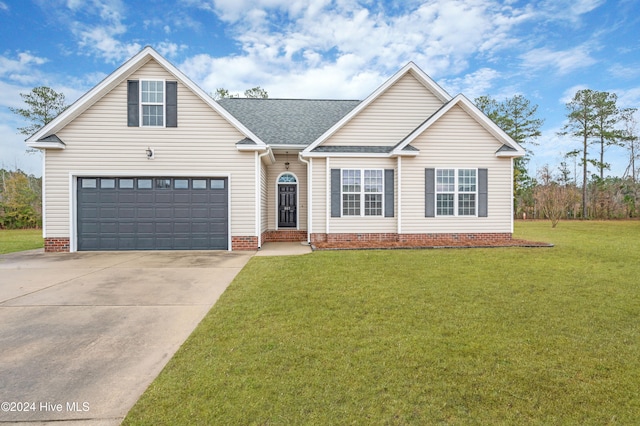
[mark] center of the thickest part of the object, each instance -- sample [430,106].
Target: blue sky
[544,50]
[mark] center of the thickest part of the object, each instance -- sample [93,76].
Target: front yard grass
[20,239]
[454,336]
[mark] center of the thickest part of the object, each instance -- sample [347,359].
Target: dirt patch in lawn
[376,245]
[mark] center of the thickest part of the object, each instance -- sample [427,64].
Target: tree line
[593,120]
[20,200]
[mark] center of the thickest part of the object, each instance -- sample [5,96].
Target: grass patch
[480,336]
[20,240]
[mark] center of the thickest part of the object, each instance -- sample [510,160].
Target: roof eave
[346,154]
[46,145]
[257,148]
[402,153]
[512,154]
[285,147]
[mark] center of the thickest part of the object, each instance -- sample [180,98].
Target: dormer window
[152,103]
[152,95]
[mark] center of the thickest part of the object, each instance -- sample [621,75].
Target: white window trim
[164,103]
[456,192]
[362,193]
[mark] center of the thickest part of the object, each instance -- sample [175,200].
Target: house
[147,160]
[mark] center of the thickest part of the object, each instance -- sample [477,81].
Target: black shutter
[388,193]
[430,192]
[482,192]
[335,193]
[172,104]
[133,105]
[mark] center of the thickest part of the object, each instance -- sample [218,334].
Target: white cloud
[97,26]
[472,85]
[624,72]
[3,6]
[169,49]
[344,79]
[22,69]
[75,4]
[628,98]
[563,61]
[568,10]
[102,40]
[236,10]
[11,94]
[346,48]
[570,92]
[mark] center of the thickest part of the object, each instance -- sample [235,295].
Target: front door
[287,195]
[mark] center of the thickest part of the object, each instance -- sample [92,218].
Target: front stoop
[284,236]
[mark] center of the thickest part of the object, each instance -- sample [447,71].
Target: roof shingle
[287,121]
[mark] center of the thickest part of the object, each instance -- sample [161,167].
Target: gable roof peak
[513,149]
[410,67]
[118,76]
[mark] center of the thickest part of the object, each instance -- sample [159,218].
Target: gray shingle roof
[352,148]
[246,141]
[51,138]
[288,121]
[506,148]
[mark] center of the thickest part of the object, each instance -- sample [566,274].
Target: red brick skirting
[284,236]
[490,238]
[56,244]
[244,243]
[371,240]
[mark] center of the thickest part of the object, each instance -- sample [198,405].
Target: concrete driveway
[82,335]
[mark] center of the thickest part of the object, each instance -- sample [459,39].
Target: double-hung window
[456,192]
[152,102]
[362,192]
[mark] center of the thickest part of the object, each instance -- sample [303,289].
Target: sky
[544,50]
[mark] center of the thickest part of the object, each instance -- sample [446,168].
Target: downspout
[513,196]
[44,195]
[399,194]
[327,209]
[309,197]
[259,194]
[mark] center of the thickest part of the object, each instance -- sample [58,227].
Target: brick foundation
[413,240]
[56,245]
[244,243]
[284,236]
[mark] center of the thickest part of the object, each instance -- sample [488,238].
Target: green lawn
[453,336]
[20,239]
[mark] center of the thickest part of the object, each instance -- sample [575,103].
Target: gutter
[309,196]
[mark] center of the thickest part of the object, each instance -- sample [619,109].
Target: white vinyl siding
[391,117]
[456,141]
[320,193]
[99,142]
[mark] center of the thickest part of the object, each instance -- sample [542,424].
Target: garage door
[142,213]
